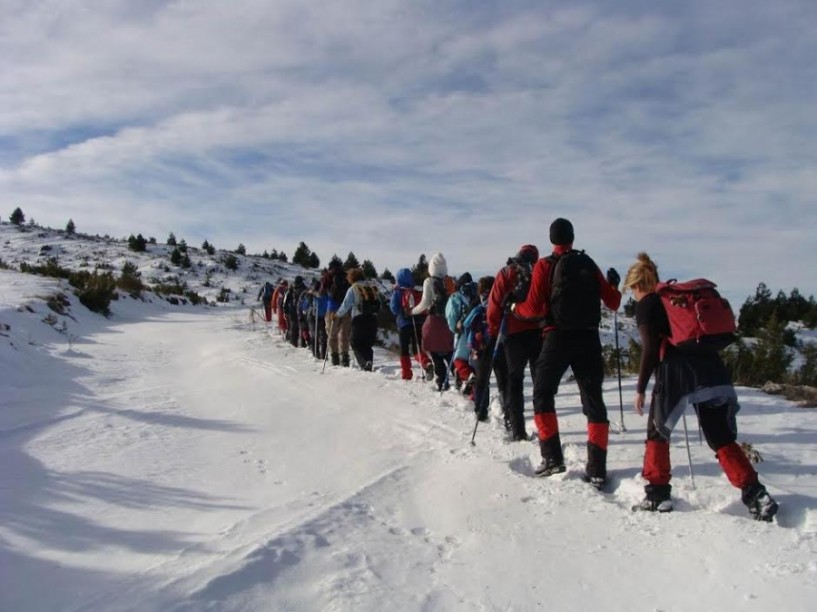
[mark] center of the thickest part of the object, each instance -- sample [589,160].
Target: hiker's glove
[613,278]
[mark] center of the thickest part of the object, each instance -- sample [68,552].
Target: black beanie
[462,280]
[561,232]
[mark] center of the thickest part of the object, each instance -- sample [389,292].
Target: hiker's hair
[354,275]
[485,284]
[643,274]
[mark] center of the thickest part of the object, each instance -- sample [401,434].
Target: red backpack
[699,318]
[410,298]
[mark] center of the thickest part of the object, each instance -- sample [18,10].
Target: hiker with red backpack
[403,299]
[567,289]
[522,338]
[438,340]
[682,326]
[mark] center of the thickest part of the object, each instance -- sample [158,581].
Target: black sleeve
[652,324]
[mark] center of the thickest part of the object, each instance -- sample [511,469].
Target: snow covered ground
[184,458]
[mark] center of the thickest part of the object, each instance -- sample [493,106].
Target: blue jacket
[456,310]
[405,282]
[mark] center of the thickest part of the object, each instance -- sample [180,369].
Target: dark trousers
[317,328]
[293,331]
[364,334]
[491,359]
[581,352]
[409,336]
[442,369]
[267,310]
[521,352]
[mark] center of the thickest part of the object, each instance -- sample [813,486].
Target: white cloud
[393,129]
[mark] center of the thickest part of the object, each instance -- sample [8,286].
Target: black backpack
[268,289]
[368,299]
[524,271]
[440,297]
[575,293]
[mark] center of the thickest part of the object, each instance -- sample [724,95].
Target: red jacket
[504,283]
[538,302]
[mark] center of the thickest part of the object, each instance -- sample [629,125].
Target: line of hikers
[541,315]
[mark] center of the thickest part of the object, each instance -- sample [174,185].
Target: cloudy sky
[394,128]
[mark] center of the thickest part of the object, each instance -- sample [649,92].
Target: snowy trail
[196,463]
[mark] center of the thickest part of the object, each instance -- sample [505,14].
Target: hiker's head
[437,266]
[354,275]
[561,232]
[463,280]
[642,275]
[528,253]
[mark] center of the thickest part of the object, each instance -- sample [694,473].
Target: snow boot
[552,459]
[657,499]
[761,505]
[344,360]
[335,359]
[468,387]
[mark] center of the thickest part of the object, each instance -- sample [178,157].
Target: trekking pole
[478,395]
[315,343]
[622,428]
[417,348]
[689,454]
[326,354]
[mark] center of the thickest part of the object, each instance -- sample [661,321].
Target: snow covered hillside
[185,458]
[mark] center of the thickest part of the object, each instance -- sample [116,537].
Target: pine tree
[314,261]
[282,257]
[241,249]
[137,243]
[387,275]
[17,217]
[182,245]
[369,270]
[171,239]
[301,256]
[351,262]
[176,256]
[70,228]
[420,270]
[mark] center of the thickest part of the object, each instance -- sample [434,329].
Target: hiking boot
[597,482]
[761,505]
[367,366]
[468,387]
[344,360]
[549,467]
[651,505]
[657,499]
[429,372]
[520,435]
